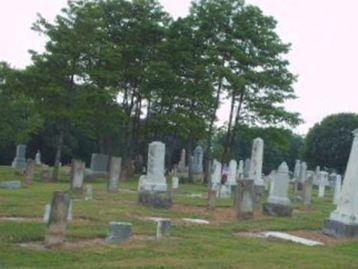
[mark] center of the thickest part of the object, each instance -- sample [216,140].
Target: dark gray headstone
[163,228]
[119,232]
[99,162]
[20,158]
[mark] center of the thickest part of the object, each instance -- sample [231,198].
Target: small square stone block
[156,199]
[277,210]
[119,232]
[339,229]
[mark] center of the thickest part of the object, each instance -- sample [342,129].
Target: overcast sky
[323,34]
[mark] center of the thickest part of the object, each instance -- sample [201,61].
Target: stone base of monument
[119,232]
[339,229]
[259,193]
[91,176]
[155,199]
[277,210]
[19,163]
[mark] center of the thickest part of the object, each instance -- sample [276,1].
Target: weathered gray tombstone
[58,219]
[337,190]
[212,198]
[215,179]
[13,185]
[245,199]
[231,178]
[240,170]
[343,222]
[175,184]
[302,177]
[77,175]
[307,189]
[89,193]
[29,172]
[114,174]
[99,163]
[278,203]
[257,162]
[152,187]
[197,163]
[38,158]
[296,172]
[119,232]
[20,158]
[316,178]
[182,163]
[323,181]
[247,169]
[163,228]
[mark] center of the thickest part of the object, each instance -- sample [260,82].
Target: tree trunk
[189,152]
[224,156]
[56,168]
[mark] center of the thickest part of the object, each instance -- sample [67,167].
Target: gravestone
[240,170]
[119,232]
[323,181]
[38,158]
[77,174]
[231,178]
[47,212]
[278,203]
[29,172]
[211,198]
[13,185]
[316,178]
[114,174]
[307,189]
[302,178]
[99,163]
[247,168]
[343,222]
[182,162]
[163,228]
[58,219]
[337,190]
[197,163]
[89,193]
[215,180]
[152,187]
[256,162]
[296,172]
[245,199]
[175,184]
[20,159]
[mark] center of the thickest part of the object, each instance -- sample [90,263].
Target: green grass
[190,246]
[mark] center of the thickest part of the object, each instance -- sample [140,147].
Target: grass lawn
[190,246]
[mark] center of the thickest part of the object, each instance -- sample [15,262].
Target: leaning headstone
[337,190]
[247,169]
[245,199]
[29,172]
[10,184]
[343,222]
[99,162]
[231,178]
[163,228]
[197,163]
[256,162]
[89,193]
[182,162]
[323,181]
[119,232]
[240,170]
[307,189]
[20,158]
[152,187]
[278,203]
[58,219]
[114,174]
[77,174]
[38,158]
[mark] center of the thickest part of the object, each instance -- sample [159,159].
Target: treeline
[117,74]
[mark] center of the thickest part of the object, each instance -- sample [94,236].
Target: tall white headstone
[38,158]
[323,181]
[337,190]
[216,175]
[257,162]
[231,178]
[240,170]
[303,173]
[296,172]
[344,220]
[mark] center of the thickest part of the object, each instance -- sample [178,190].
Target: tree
[329,142]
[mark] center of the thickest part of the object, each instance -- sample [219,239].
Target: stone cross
[337,190]
[231,178]
[278,203]
[77,175]
[256,162]
[114,174]
[343,222]
[323,180]
[20,158]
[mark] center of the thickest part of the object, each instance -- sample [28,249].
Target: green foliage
[329,142]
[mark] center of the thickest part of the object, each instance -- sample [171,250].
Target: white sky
[322,32]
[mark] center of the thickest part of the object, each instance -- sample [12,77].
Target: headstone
[224,191]
[307,189]
[343,222]
[47,212]
[10,184]
[89,193]
[182,162]
[119,232]
[152,187]
[211,198]
[29,172]
[20,159]
[58,219]
[245,199]
[303,173]
[77,174]
[114,174]
[323,181]
[197,164]
[240,170]
[70,215]
[99,162]
[257,162]
[175,183]
[215,181]
[337,190]
[296,172]
[38,158]
[247,168]
[316,178]
[231,178]
[163,228]
[278,203]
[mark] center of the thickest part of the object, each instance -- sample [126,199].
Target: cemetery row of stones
[245,182]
